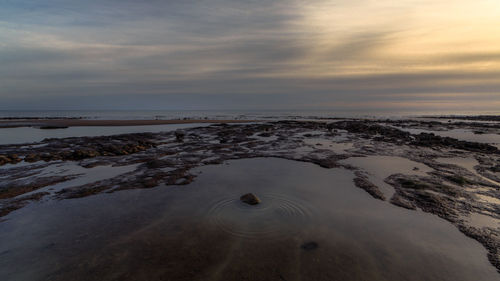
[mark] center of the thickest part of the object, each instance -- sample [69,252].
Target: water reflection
[469,163]
[202,232]
[29,134]
[274,218]
[460,134]
[381,167]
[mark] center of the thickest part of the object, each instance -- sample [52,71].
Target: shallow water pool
[203,232]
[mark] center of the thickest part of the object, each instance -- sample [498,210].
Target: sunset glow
[312,52]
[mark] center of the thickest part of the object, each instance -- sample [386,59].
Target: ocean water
[122,114]
[221,114]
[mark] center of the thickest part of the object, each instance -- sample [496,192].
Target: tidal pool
[381,167]
[460,134]
[465,162]
[32,134]
[312,224]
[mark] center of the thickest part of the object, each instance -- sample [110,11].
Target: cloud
[230,54]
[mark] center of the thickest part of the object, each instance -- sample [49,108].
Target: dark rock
[265,135]
[32,157]
[308,246]
[411,184]
[495,169]
[84,153]
[155,164]
[13,159]
[398,200]
[362,182]
[179,136]
[370,129]
[94,164]
[250,199]
[4,159]
[457,179]
[46,156]
[149,183]
[328,162]
[50,127]
[379,132]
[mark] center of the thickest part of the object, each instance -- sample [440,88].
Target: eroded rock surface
[31,172]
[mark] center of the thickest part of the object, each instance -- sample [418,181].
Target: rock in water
[309,246]
[250,199]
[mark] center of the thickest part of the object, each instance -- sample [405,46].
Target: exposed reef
[31,172]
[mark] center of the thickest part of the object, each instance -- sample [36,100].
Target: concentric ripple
[276,216]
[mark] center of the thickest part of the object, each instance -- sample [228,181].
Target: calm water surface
[203,232]
[30,134]
[460,134]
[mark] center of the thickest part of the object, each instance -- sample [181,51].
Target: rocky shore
[479,117]
[448,190]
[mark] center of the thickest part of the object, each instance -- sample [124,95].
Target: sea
[224,114]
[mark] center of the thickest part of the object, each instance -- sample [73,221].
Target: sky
[360,55]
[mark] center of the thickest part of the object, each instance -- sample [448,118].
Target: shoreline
[64,123]
[418,171]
